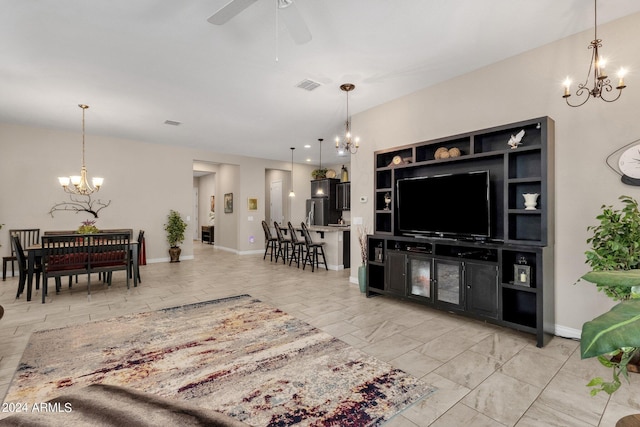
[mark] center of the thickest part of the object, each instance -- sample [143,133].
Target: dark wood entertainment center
[506,279]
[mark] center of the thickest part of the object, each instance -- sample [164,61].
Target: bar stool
[269,241]
[297,246]
[283,244]
[313,250]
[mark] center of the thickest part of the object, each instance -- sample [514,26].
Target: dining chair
[63,232]
[63,255]
[297,246]
[313,250]
[28,237]
[140,251]
[269,241]
[22,265]
[284,244]
[109,252]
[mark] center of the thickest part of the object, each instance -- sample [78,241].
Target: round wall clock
[628,166]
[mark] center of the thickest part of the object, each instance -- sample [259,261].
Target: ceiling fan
[285,8]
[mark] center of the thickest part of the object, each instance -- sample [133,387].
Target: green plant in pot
[88,227]
[615,244]
[614,337]
[319,173]
[175,228]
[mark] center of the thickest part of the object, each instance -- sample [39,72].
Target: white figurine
[514,141]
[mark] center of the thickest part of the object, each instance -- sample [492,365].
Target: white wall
[520,88]
[143,181]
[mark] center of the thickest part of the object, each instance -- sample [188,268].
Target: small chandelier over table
[601,83]
[348,143]
[80,185]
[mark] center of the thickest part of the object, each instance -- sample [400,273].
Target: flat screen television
[453,205]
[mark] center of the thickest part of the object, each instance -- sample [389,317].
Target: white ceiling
[139,63]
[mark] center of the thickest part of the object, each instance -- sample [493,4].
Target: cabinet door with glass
[420,277]
[449,288]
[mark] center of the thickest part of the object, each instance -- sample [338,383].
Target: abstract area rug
[238,356]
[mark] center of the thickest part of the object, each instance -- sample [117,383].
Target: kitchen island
[336,240]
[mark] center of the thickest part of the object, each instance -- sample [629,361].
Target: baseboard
[168,259]
[566,332]
[251,252]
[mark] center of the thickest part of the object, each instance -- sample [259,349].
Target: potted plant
[319,173]
[615,260]
[613,336]
[88,227]
[175,228]
[615,244]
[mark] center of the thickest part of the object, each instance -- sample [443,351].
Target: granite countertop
[329,228]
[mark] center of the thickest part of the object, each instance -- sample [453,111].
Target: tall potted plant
[175,228]
[615,244]
[613,336]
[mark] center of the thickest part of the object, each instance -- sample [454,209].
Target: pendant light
[320,191]
[349,143]
[291,193]
[80,184]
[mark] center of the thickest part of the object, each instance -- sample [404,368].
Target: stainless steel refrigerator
[321,211]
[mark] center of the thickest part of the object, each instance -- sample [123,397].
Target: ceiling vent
[308,84]
[172,123]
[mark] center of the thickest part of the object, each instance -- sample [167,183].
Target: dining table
[35,251]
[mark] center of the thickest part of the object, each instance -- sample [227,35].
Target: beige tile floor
[485,375]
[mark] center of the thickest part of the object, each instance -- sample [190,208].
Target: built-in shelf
[483,271]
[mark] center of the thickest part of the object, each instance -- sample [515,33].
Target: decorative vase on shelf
[530,201]
[362,278]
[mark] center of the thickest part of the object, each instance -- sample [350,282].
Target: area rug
[238,356]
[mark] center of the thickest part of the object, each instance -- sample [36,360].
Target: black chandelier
[601,82]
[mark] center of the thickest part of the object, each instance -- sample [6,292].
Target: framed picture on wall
[213,203]
[252,203]
[228,203]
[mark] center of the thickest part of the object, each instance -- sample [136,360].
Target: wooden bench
[75,254]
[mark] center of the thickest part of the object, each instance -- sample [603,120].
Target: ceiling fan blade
[295,24]
[229,10]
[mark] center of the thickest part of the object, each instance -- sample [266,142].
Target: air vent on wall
[308,84]
[172,123]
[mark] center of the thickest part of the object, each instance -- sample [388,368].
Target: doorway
[275,205]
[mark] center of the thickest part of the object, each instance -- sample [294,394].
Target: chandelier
[601,83]
[320,191]
[291,193]
[80,184]
[348,143]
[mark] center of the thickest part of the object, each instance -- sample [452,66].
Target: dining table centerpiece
[88,227]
